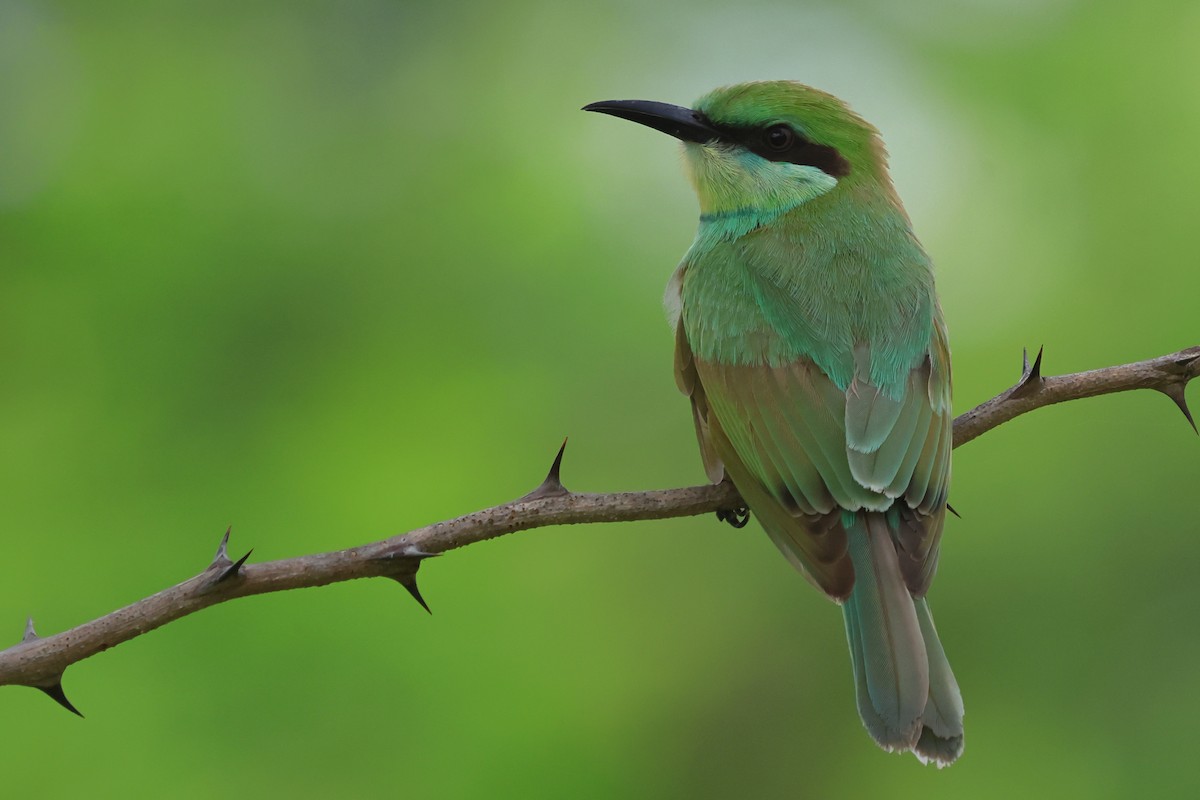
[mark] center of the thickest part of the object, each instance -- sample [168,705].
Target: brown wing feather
[923,514]
[689,383]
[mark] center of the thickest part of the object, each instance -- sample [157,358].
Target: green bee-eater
[811,344]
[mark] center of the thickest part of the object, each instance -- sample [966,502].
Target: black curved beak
[682,123]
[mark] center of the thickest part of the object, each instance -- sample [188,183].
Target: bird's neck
[826,207]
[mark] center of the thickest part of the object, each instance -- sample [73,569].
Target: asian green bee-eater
[810,341]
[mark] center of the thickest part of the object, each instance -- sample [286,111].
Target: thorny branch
[40,661]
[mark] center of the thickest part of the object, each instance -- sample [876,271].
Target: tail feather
[942,739]
[875,724]
[906,693]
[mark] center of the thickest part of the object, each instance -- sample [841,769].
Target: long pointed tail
[907,696]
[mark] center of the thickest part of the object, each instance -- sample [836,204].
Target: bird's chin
[732,181]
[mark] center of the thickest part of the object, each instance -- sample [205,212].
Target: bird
[811,343]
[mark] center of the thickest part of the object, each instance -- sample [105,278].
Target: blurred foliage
[329,271]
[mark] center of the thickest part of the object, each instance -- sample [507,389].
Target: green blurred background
[330,271]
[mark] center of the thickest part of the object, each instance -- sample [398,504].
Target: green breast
[814,283]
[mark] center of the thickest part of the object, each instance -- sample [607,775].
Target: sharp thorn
[57,694]
[552,486]
[221,559]
[402,568]
[223,547]
[30,633]
[1031,375]
[416,552]
[408,551]
[409,582]
[1178,393]
[554,475]
[950,508]
[233,569]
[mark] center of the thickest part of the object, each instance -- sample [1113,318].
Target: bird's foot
[737,517]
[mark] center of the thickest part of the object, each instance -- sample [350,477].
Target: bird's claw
[737,517]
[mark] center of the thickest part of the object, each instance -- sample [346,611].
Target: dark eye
[779,137]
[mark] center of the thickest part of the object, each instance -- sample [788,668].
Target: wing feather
[689,383]
[783,435]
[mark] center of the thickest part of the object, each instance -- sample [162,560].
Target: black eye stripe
[799,151]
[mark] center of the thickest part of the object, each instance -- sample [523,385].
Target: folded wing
[802,451]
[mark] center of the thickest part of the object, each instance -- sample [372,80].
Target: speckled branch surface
[40,661]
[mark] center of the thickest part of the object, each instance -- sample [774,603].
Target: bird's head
[767,146]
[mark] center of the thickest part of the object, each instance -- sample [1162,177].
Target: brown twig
[1167,374]
[40,661]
